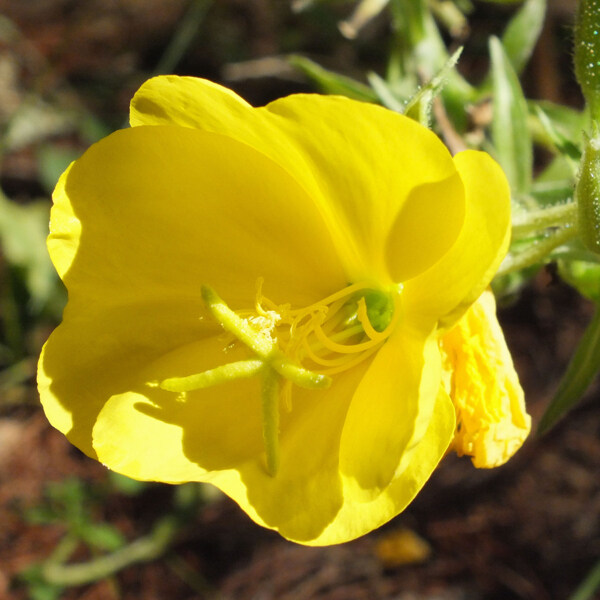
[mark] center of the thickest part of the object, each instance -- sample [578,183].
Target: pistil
[281,339]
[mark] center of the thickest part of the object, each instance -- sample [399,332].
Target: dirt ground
[527,531]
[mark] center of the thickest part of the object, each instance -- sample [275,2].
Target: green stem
[536,252]
[143,549]
[534,221]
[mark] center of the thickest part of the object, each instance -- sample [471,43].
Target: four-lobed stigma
[289,346]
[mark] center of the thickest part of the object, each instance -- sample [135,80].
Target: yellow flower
[257,299]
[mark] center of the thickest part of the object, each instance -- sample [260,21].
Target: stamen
[286,341]
[363,317]
[343,348]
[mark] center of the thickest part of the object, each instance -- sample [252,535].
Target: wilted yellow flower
[257,299]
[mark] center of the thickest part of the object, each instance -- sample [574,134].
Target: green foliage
[71,502]
[419,72]
[23,230]
[522,33]
[582,369]
[330,82]
[510,132]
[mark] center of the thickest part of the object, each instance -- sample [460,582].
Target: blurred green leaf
[37,586]
[569,122]
[582,369]
[555,184]
[101,536]
[522,33]
[126,485]
[562,143]
[510,133]
[583,276]
[41,515]
[385,94]
[52,162]
[589,586]
[23,231]
[330,82]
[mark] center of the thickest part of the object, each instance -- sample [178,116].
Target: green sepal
[587,192]
[583,368]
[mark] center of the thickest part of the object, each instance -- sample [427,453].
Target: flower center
[296,346]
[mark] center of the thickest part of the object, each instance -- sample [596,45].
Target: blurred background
[528,530]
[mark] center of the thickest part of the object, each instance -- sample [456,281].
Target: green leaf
[385,94]
[38,588]
[562,143]
[555,184]
[522,33]
[330,82]
[589,586]
[583,276]
[510,132]
[569,122]
[126,485]
[52,162]
[101,536]
[580,373]
[23,231]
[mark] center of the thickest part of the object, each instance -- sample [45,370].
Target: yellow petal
[492,421]
[215,435]
[458,279]
[357,516]
[368,168]
[389,413]
[166,210]
[140,222]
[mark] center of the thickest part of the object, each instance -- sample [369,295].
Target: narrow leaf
[562,143]
[384,92]
[522,33]
[330,82]
[580,373]
[510,132]
[589,586]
